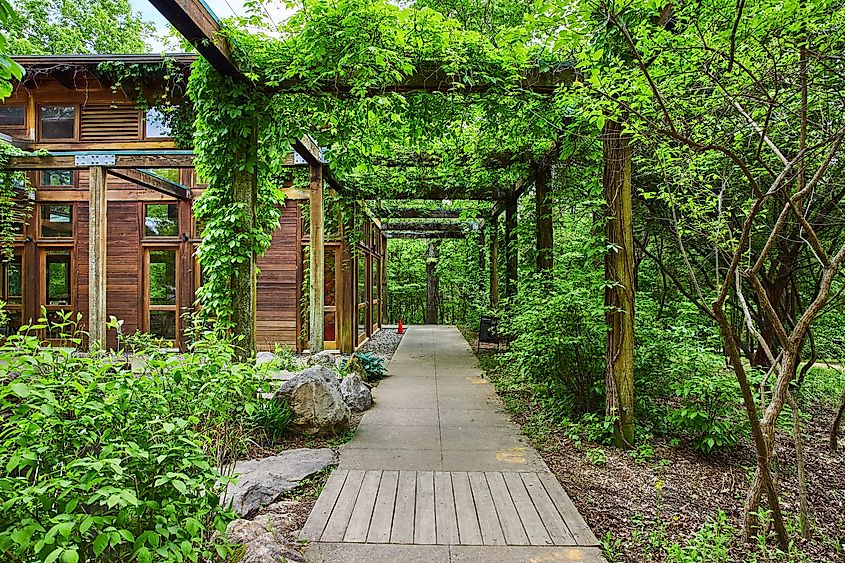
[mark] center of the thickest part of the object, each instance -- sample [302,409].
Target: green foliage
[9,69]
[106,462]
[51,27]
[273,417]
[372,364]
[710,544]
[16,195]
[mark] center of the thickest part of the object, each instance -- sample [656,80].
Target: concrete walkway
[437,472]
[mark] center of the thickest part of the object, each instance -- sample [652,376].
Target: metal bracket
[95,160]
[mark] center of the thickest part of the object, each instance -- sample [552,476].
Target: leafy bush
[369,366]
[104,463]
[557,340]
[709,404]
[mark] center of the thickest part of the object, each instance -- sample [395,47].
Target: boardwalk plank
[574,521]
[424,528]
[551,518]
[319,516]
[402,530]
[446,523]
[491,529]
[359,522]
[505,508]
[534,527]
[339,519]
[381,523]
[468,526]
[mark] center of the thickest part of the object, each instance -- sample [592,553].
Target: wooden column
[545,241]
[494,262]
[432,301]
[511,248]
[97,227]
[245,192]
[619,294]
[316,299]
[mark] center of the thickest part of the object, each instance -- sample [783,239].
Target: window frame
[38,128]
[145,136]
[74,179]
[4,290]
[147,237]
[39,221]
[16,126]
[147,308]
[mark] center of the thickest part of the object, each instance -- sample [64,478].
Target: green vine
[16,201]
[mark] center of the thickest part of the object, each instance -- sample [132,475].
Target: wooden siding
[278,288]
[110,123]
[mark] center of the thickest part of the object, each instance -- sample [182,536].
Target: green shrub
[371,365]
[273,417]
[104,463]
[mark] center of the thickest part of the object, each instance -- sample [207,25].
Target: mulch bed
[639,507]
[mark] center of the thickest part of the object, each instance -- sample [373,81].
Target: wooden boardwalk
[437,472]
[446,508]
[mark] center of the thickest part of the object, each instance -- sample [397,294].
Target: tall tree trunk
[837,423]
[432,283]
[545,233]
[619,294]
[245,191]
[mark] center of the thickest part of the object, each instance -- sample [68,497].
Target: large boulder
[324,358]
[260,543]
[356,394]
[262,481]
[315,401]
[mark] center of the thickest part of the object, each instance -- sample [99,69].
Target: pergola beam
[126,159]
[153,182]
[201,28]
[425,226]
[425,235]
[395,213]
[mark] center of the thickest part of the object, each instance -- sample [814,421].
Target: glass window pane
[12,115]
[14,281]
[161,220]
[329,279]
[57,278]
[56,221]
[362,279]
[362,320]
[162,277]
[156,124]
[57,177]
[14,323]
[58,122]
[163,324]
[172,174]
[329,324]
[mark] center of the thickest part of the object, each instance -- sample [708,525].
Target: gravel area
[383,343]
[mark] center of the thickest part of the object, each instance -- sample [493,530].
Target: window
[58,122]
[57,278]
[375,301]
[12,116]
[13,294]
[56,221]
[362,295]
[161,220]
[171,174]
[156,125]
[57,177]
[161,293]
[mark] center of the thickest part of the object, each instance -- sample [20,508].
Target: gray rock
[356,394]
[244,531]
[264,358]
[261,482]
[324,358]
[280,374]
[267,548]
[315,400]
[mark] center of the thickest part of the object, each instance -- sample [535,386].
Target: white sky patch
[275,12]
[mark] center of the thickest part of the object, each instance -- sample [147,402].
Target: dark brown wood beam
[134,160]
[308,150]
[424,234]
[423,226]
[395,213]
[153,182]
[201,28]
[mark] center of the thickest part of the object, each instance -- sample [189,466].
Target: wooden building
[67,106]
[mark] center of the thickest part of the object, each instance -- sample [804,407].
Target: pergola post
[316,298]
[494,262]
[619,294]
[245,290]
[511,248]
[545,241]
[482,254]
[97,227]
[432,301]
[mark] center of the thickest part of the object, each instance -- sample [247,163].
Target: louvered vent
[107,123]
